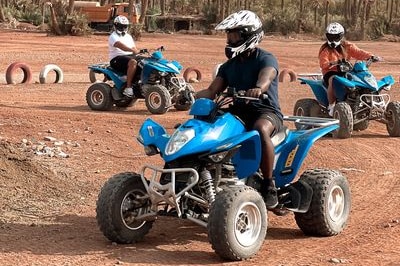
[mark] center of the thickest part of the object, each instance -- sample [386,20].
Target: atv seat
[280,136]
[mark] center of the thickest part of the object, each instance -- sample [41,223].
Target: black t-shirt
[243,75]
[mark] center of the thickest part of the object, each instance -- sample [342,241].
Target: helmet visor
[121,27]
[334,37]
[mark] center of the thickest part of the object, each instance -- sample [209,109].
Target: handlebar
[241,94]
[147,51]
[346,66]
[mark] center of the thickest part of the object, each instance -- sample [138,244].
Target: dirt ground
[47,203]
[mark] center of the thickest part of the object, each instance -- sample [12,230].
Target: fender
[290,154]
[115,77]
[386,81]
[339,85]
[152,133]
[318,88]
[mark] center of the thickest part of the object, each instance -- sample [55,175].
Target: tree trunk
[391,4]
[362,21]
[327,13]
[54,23]
[228,7]
[70,6]
[130,9]
[315,15]
[2,17]
[143,11]
[162,7]
[300,17]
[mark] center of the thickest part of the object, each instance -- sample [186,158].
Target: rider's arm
[123,47]
[217,85]
[265,78]
[326,59]
[354,52]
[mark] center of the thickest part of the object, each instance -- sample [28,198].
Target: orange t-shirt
[328,55]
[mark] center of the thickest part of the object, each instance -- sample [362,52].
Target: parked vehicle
[211,177]
[156,81]
[360,99]
[102,17]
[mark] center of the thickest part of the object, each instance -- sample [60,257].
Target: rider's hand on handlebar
[375,58]
[143,51]
[255,92]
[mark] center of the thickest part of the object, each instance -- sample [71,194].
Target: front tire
[237,224]
[119,202]
[157,99]
[98,97]
[330,205]
[392,115]
[185,99]
[342,112]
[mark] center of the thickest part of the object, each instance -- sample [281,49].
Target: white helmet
[334,34]
[121,24]
[250,28]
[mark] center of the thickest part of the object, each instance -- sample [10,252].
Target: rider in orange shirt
[334,50]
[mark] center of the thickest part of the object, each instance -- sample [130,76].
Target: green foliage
[25,11]
[278,20]
[210,13]
[378,27]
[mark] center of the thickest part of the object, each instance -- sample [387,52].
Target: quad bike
[211,177]
[359,100]
[155,80]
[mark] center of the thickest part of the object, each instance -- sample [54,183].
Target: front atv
[211,177]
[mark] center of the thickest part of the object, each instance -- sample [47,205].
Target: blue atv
[360,98]
[211,177]
[156,81]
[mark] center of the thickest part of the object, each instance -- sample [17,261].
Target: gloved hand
[143,51]
[375,58]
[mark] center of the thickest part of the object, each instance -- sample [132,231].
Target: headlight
[371,81]
[178,140]
[387,88]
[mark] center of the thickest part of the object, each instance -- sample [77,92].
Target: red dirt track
[47,204]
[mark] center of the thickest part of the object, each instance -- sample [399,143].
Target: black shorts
[120,63]
[329,74]
[251,112]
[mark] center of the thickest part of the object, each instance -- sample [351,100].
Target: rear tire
[343,113]
[237,224]
[157,99]
[330,205]
[392,115]
[306,107]
[98,97]
[119,202]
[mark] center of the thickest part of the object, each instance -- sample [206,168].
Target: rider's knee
[132,63]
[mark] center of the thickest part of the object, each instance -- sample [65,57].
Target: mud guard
[297,196]
[152,133]
[386,80]
[247,160]
[318,89]
[338,86]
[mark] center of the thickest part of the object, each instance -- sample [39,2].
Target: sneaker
[330,109]
[271,197]
[128,92]
[269,193]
